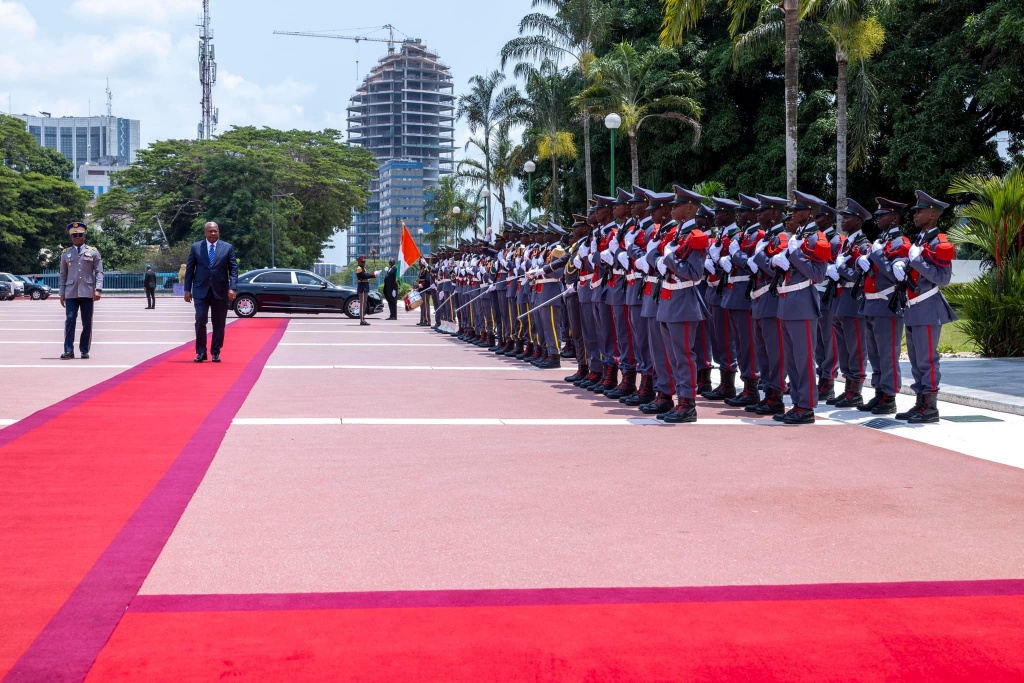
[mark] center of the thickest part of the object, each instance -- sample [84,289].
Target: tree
[449,225]
[505,158]
[643,85]
[575,31]
[549,103]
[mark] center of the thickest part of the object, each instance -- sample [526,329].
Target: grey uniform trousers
[923,349]
[798,339]
[826,353]
[850,333]
[623,337]
[770,352]
[638,327]
[575,317]
[721,349]
[678,339]
[740,342]
[884,336]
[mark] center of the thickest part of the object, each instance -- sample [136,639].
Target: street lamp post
[486,194]
[273,240]
[612,123]
[456,210]
[529,167]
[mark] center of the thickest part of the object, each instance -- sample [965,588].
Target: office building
[100,140]
[404,112]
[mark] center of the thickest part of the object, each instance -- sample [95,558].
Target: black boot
[870,405]
[581,372]
[798,416]
[685,411]
[749,396]
[569,351]
[624,388]
[643,394]
[918,404]
[609,382]
[591,379]
[662,403]
[703,381]
[772,403]
[524,351]
[851,398]
[929,412]
[725,389]
[886,406]
[826,390]
[551,362]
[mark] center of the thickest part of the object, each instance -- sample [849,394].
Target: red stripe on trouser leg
[629,335]
[810,367]
[782,356]
[689,360]
[668,369]
[931,360]
[895,358]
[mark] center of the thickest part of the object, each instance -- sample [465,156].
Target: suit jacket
[201,279]
[391,280]
[81,275]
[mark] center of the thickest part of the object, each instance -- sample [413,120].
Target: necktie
[213,253]
[79,251]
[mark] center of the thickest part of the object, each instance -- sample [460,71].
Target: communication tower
[207,75]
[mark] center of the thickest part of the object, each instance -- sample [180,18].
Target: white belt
[884,294]
[822,287]
[596,282]
[918,299]
[632,277]
[738,278]
[544,281]
[650,278]
[848,285]
[758,293]
[586,278]
[618,271]
[671,286]
[786,289]
[441,282]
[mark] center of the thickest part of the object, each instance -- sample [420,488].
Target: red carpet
[73,478]
[906,639]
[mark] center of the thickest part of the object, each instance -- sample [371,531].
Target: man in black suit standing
[211,276]
[391,289]
[149,283]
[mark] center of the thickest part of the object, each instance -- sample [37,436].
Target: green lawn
[953,339]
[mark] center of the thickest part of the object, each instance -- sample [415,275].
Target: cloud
[16,21]
[147,10]
[243,102]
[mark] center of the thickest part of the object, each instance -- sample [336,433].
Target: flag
[408,252]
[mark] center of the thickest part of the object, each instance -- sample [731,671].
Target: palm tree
[642,85]
[487,108]
[682,15]
[576,28]
[549,101]
[439,208]
[503,159]
[994,221]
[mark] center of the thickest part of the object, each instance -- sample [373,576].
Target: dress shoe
[215,358]
[799,416]
[85,355]
[200,358]
[771,405]
[780,417]
[391,318]
[363,322]
[551,363]
[67,356]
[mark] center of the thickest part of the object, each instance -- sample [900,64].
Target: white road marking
[7,423]
[374,344]
[61,332]
[501,422]
[401,367]
[110,343]
[77,366]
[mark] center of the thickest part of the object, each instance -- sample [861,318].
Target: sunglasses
[77,234]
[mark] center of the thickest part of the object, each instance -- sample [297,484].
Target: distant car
[6,293]
[283,290]
[35,290]
[17,286]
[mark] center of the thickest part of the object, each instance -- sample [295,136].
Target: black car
[36,290]
[283,290]
[5,291]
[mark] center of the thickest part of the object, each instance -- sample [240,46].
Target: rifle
[780,275]
[549,302]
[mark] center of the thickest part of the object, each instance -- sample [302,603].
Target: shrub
[993,316]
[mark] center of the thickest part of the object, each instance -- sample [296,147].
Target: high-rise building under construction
[403,112]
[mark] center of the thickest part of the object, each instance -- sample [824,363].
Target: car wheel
[36,295]
[245,306]
[352,306]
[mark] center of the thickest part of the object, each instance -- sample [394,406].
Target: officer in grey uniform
[587,295]
[573,268]
[741,281]
[722,345]
[764,307]
[602,260]
[927,268]
[617,296]
[80,285]
[636,245]
[884,326]
[825,345]
[848,323]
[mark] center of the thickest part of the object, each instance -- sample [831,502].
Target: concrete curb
[976,401]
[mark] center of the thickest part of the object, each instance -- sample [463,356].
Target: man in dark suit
[391,289]
[211,276]
[149,283]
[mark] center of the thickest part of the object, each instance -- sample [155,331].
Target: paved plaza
[386,503]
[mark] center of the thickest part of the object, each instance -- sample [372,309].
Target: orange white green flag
[408,252]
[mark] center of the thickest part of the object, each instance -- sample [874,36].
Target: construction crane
[390,40]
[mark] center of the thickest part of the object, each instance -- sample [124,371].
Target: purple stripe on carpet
[70,643]
[572,596]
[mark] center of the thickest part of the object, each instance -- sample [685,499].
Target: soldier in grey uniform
[764,306]
[927,268]
[636,244]
[616,294]
[847,322]
[573,267]
[722,344]
[587,296]
[740,286]
[80,285]
[884,326]
[825,345]
[603,259]
[804,262]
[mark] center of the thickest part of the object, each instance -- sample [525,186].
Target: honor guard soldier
[603,260]
[703,352]
[825,356]
[722,345]
[803,264]
[927,268]
[363,278]
[80,285]
[847,321]
[884,325]
[641,230]
[741,281]
[572,279]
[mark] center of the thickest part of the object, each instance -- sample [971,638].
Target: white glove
[584,249]
[606,256]
[726,263]
[642,264]
[631,238]
[376,273]
[623,259]
[752,264]
[569,289]
[864,263]
[841,261]
[394,293]
[734,246]
[877,245]
[761,245]
[833,272]
[709,265]
[795,244]
[915,251]
[576,261]
[536,272]
[613,245]
[661,265]
[715,251]
[780,261]
[491,288]
[899,270]
[651,246]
